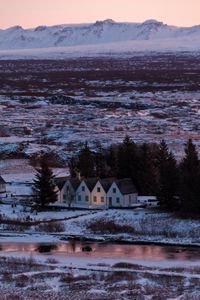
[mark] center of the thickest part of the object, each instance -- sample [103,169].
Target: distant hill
[103,36]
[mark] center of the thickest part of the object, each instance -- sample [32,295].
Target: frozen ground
[111,270]
[57,105]
[25,277]
[139,225]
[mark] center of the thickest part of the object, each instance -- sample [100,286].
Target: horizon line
[93,22]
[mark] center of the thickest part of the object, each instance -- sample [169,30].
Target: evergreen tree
[73,166]
[44,187]
[146,171]
[190,179]
[127,159]
[100,161]
[112,162]
[167,177]
[86,162]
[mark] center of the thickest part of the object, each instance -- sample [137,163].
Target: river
[105,250]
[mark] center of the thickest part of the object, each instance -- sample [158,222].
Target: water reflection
[106,250]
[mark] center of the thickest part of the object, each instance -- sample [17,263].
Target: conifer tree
[190,179]
[112,162]
[167,177]
[44,187]
[86,162]
[127,159]
[146,171]
[100,161]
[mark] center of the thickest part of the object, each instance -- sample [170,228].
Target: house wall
[60,194]
[99,195]
[115,198]
[67,194]
[120,200]
[82,194]
[2,187]
[97,198]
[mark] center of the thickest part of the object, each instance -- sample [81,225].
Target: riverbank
[42,275]
[139,226]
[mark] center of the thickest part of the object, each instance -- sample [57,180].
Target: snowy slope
[102,36]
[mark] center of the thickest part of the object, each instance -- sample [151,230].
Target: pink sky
[31,13]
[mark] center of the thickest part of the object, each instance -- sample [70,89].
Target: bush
[51,227]
[109,227]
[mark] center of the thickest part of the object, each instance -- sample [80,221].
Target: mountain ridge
[98,33]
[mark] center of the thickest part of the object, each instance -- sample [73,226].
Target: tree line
[152,167]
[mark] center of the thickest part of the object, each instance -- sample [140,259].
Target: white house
[97,193]
[122,193]
[66,190]
[91,194]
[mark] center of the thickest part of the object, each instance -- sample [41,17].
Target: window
[117,200]
[83,189]
[67,188]
[114,190]
[102,199]
[98,189]
[86,198]
[79,197]
[95,199]
[64,197]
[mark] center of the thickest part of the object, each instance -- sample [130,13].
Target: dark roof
[91,182]
[126,186]
[60,182]
[2,180]
[74,182]
[106,183]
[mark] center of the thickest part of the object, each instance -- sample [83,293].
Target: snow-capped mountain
[101,32]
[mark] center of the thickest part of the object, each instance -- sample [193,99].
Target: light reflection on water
[106,250]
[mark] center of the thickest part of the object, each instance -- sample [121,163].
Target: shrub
[107,226]
[51,227]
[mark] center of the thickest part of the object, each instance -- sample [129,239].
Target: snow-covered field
[42,277]
[118,49]
[112,270]
[150,97]
[138,225]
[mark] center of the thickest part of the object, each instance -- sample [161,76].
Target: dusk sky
[31,13]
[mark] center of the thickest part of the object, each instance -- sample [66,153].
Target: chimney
[78,174]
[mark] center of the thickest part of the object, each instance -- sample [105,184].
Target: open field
[27,277]
[57,105]
[133,225]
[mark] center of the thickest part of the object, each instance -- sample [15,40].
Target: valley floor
[28,274]
[127,225]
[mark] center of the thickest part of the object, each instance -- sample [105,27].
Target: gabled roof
[126,186]
[106,183]
[2,181]
[60,182]
[75,183]
[91,182]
